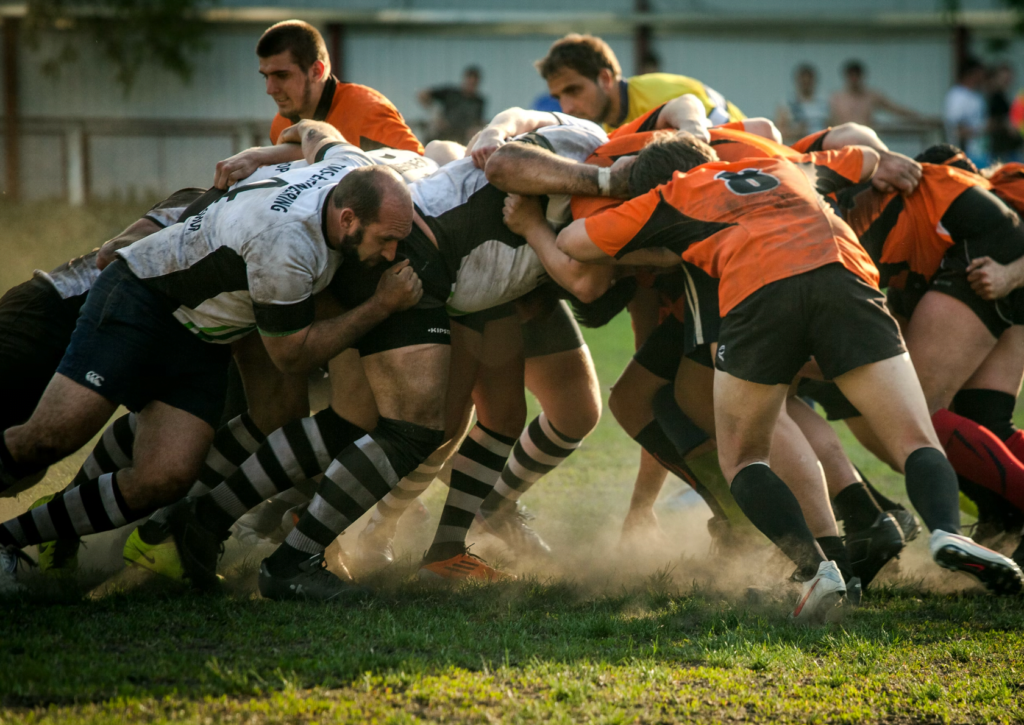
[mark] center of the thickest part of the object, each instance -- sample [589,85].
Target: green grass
[662,635]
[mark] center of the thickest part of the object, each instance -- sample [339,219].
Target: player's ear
[318,70]
[606,79]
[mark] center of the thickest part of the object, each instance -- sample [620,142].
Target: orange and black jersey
[363,116]
[904,235]
[747,224]
[812,142]
[1008,184]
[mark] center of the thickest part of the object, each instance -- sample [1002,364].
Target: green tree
[130,33]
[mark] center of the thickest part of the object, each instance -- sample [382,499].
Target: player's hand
[521,214]
[896,172]
[399,288]
[487,142]
[989,279]
[620,177]
[292,134]
[108,252]
[237,167]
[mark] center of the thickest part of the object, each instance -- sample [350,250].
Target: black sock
[683,432]
[774,510]
[655,441]
[856,507]
[884,502]
[990,408]
[835,550]
[933,490]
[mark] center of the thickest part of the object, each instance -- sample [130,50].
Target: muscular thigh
[410,383]
[1003,369]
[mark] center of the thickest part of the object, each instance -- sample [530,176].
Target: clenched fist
[399,288]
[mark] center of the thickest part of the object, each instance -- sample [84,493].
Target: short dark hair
[302,39]
[805,68]
[363,190]
[941,153]
[666,154]
[473,70]
[968,65]
[588,55]
[853,66]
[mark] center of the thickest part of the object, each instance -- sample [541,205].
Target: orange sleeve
[587,206]
[362,114]
[279,124]
[384,125]
[836,169]
[612,230]
[646,122]
[732,126]
[811,142]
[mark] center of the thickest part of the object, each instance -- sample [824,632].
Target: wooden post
[336,49]
[12,137]
[641,38]
[74,154]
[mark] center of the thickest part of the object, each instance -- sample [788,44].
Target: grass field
[603,635]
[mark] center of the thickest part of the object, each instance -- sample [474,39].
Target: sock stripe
[530,459]
[283,452]
[301,449]
[102,458]
[108,495]
[463,500]
[251,483]
[453,533]
[123,435]
[552,434]
[350,487]
[133,422]
[43,516]
[314,435]
[246,432]
[14,531]
[94,509]
[309,544]
[76,510]
[362,469]
[379,459]
[490,441]
[29,530]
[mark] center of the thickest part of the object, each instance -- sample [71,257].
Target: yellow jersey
[641,94]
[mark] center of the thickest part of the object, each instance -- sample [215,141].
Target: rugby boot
[871,548]
[820,595]
[377,544]
[461,566]
[159,558]
[199,548]
[510,525]
[10,558]
[999,574]
[854,591]
[311,580]
[57,556]
[908,522]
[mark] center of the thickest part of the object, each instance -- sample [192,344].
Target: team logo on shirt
[748,181]
[94,378]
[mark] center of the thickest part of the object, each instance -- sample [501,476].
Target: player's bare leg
[886,394]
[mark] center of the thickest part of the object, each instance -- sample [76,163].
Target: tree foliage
[130,33]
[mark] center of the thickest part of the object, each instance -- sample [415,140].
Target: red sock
[1016,444]
[978,455]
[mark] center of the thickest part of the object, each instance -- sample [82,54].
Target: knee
[631,409]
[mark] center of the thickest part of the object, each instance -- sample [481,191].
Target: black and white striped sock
[398,499]
[475,470]
[94,506]
[234,442]
[361,476]
[300,450]
[112,453]
[538,451]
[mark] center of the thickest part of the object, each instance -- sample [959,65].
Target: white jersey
[489,265]
[76,277]
[252,259]
[409,165]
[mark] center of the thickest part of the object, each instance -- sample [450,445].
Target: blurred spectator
[965,112]
[1004,138]
[461,112]
[651,63]
[857,103]
[804,112]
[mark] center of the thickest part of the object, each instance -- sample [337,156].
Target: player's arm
[244,163]
[685,113]
[763,127]
[312,345]
[313,136]
[133,233]
[521,168]
[508,124]
[851,134]
[524,216]
[576,243]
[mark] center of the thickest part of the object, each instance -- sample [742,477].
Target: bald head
[374,208]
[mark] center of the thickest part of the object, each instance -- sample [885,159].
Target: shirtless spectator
[857,103]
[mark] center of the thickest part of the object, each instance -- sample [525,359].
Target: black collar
[326,99]
[328,200]
[623,102]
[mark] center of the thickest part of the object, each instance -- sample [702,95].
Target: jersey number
[748,181]
[265,184]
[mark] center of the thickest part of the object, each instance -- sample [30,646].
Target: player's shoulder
[661,83]
[349,93]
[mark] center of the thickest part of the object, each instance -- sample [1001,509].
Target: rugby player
[584,75]
[157,350]
[297,69]
[810,273]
